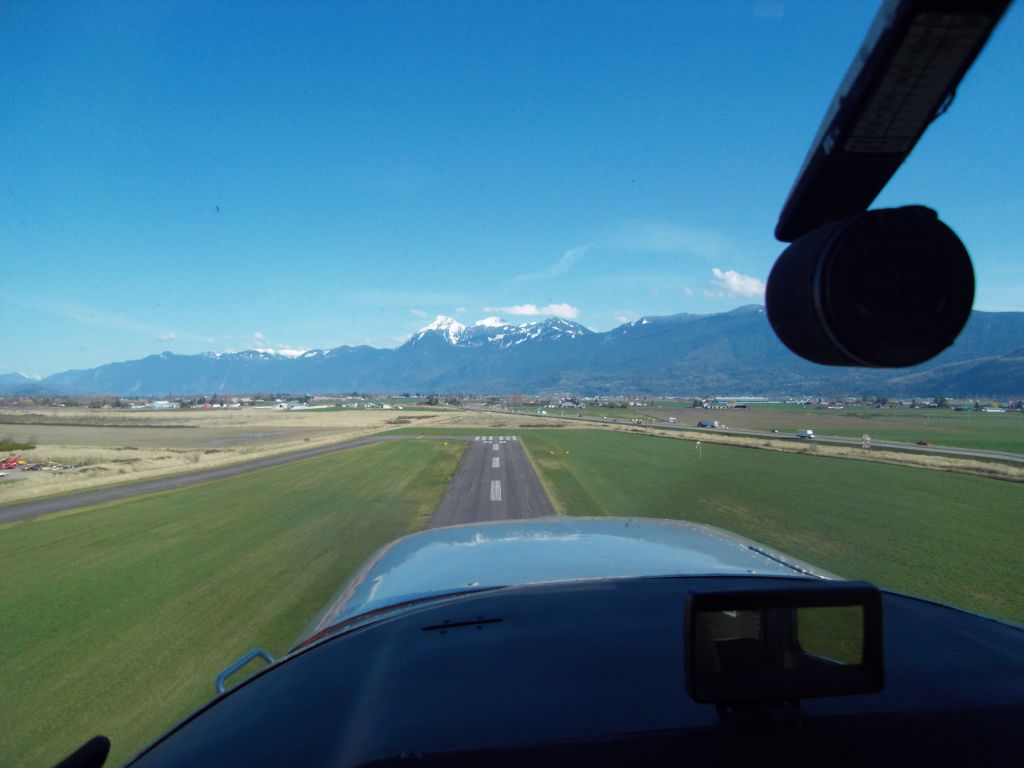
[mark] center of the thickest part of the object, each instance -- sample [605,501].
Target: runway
[494,481]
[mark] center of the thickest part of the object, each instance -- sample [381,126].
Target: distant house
[160,405]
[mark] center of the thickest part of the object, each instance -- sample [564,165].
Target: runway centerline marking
[475,493]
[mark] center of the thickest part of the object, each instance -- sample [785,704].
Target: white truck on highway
[805,434]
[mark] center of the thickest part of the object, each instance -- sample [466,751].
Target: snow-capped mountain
[494,331]
[681,354]
[265,354]
[448,328]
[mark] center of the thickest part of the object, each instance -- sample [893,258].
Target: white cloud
[624,315]
[735,285]
[168,337]
[459,310]
[560,267]
[665,237]
[419,312]
[258,341]
[558,310]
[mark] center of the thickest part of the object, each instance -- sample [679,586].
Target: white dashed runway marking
[475,493]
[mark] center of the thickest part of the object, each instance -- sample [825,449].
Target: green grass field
[116,619]
[962,429]
[959,429]
[952,537]
[7,445]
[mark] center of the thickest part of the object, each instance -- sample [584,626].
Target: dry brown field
[114,446]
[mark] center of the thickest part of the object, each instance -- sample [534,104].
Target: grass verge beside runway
[950,537]
[116,619]
[956,429]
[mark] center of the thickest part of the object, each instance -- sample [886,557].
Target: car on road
[923,442]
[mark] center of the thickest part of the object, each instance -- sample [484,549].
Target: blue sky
[223,176]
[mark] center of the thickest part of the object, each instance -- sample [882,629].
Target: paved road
[494,481]
[26,509]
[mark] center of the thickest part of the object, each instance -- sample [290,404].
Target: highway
[940,450]
[494,481]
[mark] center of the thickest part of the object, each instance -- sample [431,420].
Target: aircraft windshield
[286,282]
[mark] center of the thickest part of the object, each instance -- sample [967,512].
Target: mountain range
[730,352]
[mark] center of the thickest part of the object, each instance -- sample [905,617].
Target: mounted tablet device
[879,288]
[774,645]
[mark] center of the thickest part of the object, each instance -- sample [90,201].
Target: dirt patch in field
[110,446]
